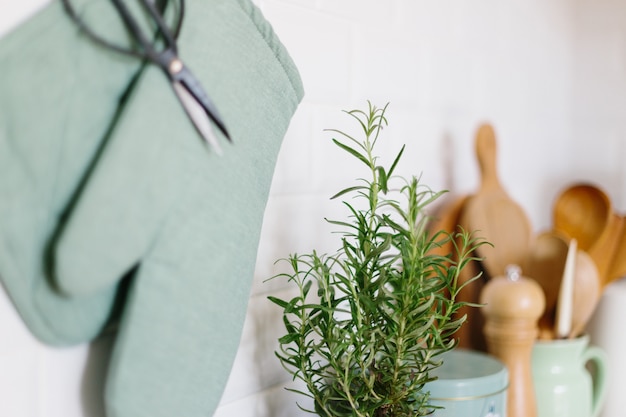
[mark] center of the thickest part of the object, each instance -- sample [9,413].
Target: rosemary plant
[368,322]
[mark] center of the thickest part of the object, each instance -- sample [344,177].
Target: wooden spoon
[587,292]
[545,264]
[582,212]
[493,214]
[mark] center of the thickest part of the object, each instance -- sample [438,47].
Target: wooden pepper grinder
[512,307]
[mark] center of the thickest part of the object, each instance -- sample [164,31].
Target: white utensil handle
[566,293]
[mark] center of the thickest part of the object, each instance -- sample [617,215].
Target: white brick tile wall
[255,366]
[318,43]
[18,383]
[551,77]
[365,12]
[60,375]
[274,402]
[294,167]
[13,13]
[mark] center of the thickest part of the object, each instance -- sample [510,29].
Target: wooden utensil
[582,211]
[545,264]
[604,250]
[494,214]
[471,335]
[587,292]
[447,218]
[618,263]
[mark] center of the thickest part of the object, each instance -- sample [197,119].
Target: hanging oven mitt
[58,97]
[160,202]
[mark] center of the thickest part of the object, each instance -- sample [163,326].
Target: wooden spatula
[587,292]
[545,264]
[495,216]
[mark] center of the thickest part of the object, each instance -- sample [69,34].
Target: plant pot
[469,384]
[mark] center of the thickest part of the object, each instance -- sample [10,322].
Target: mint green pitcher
[564,387]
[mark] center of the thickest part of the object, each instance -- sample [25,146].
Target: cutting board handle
[486,155]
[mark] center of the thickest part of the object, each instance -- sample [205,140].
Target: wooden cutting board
[494,215]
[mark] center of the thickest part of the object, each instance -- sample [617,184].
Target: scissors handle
[167,59]
[175,31]
[139,35]
[161,25]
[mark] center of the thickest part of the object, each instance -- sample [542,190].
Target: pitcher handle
[596,356]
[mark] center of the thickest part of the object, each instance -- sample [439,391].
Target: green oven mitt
[58,96]
[160,199]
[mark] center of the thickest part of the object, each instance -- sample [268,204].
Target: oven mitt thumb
[155,151]
[58,96]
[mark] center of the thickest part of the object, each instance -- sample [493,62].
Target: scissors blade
[194,87]
[198,116]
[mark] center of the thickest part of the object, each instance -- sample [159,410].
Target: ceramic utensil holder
[564,387]
[606,331]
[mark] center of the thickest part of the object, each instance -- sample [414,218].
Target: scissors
[197,104]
